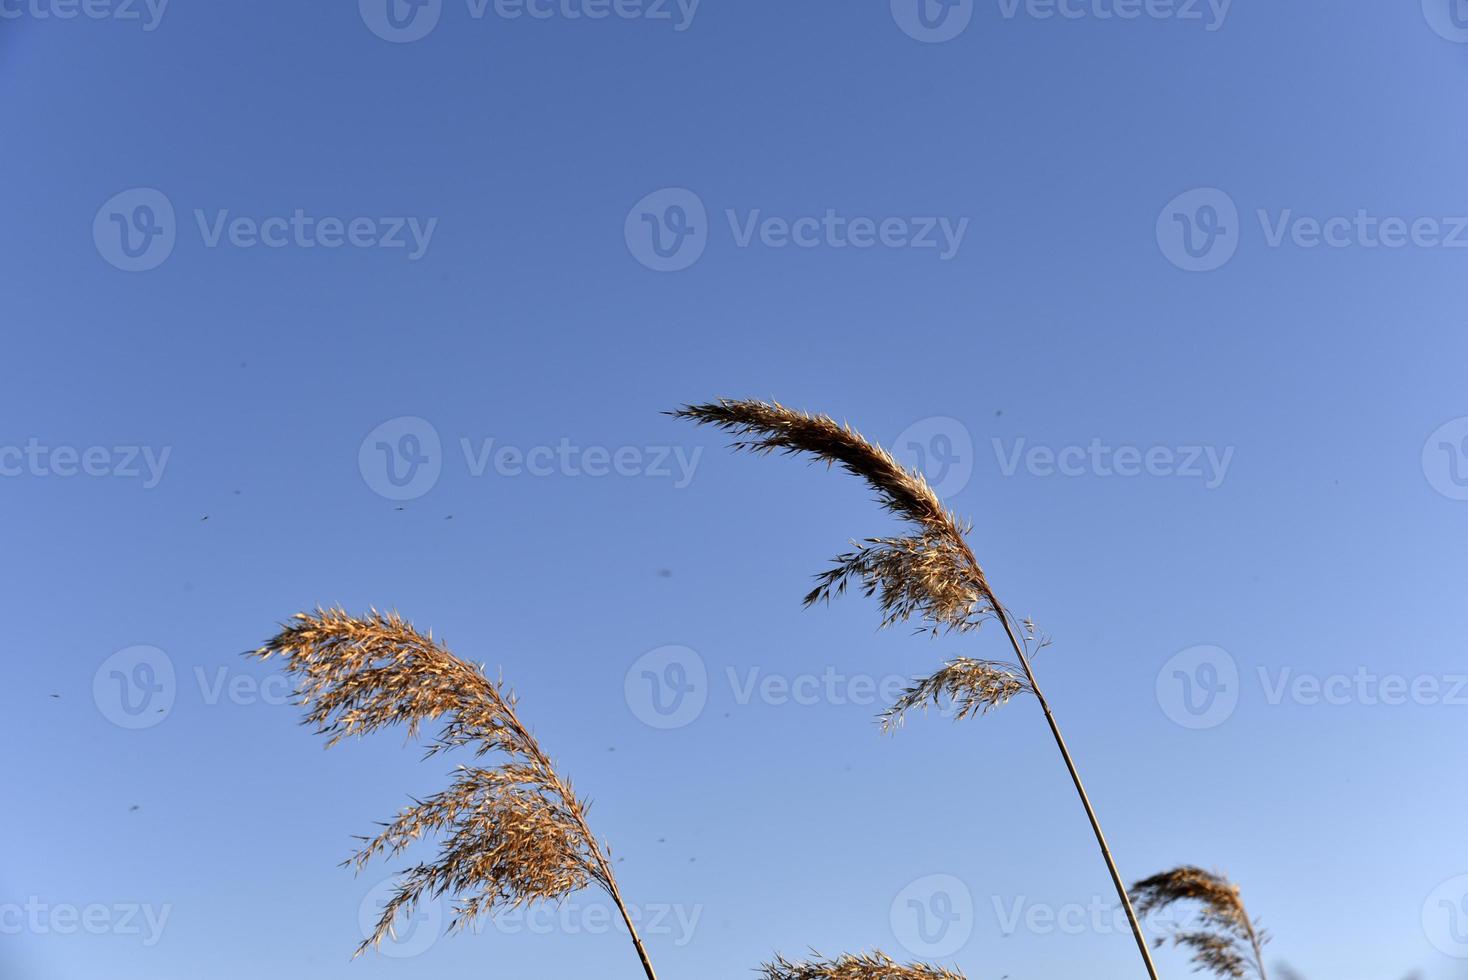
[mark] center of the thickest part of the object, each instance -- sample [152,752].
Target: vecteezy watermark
[933,917]
[829,687]
[403,21]
[135,687]
[1210,13]
[145,463]
[670,687]
[942,449]
[402,459]
[933,21]
[669,230]
[1362,686]
[1449,18]
[1208,464]
[1201,687]
[136,230]
[415,932]
[566,458]
[1100,915]
[1445,917]
[138,687]
[1200,230]
[834,230]
[148,13]
[37,917]
[936,21]
[667,687]
[673,922]
[1362,230]
[1445,459]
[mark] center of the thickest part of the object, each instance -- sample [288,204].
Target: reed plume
[930,573]
[870,966]
[972,687]
[1223,938]
[512,832]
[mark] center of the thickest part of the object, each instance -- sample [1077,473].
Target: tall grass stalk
[513,832]
[931,573]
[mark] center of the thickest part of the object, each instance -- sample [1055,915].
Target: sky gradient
[347,304]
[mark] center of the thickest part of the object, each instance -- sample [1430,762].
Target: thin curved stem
[1116,879]
[574,808]
[627,919]
[1258,945]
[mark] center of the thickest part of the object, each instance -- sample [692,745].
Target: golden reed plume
[972,687]
[872,966]
[512,832]
[930,573]
[1223,938]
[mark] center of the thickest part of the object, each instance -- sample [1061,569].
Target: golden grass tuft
[972,687]
[869,966]
[1223,938]
[931,573]
[511,833]
[924,575]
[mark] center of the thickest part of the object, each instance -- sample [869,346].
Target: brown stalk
[1075,778]
[932,574]
[511,833]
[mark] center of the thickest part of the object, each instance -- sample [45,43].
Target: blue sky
[1170,305]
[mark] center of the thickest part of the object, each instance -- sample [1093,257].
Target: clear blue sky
[536,158]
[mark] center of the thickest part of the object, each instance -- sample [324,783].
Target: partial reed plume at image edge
[512,832]
[869,966]
[1223,938]
[929,573]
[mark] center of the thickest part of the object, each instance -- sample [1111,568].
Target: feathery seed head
[931,573]
[973,687]
[870,966]
[1224,939]
[510,833]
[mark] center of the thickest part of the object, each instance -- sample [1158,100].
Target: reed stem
[608,879]
[1258,946]
[631,929]
[1126,902]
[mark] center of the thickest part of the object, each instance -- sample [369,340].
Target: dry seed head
[931,573]
[510,833]
[870,966]
[924,576]
[973,687]
[1224,939]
